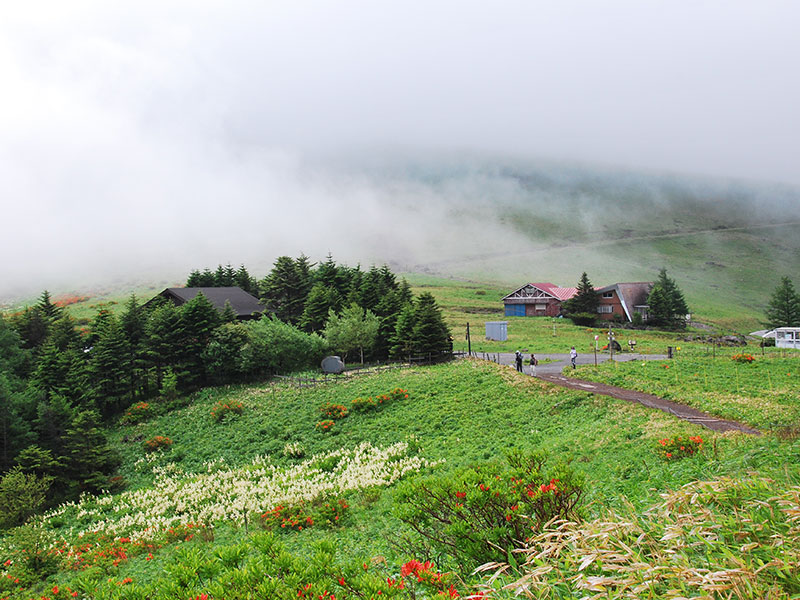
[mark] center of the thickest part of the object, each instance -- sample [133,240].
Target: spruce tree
[585,301]
[783,309]
[321,300]
[164,340]
[667,306]
[285,289]
[109,366]
[402,342]
[243,280]
[133,321]
[431,335]
[194,279]
[198,320]
[87,458]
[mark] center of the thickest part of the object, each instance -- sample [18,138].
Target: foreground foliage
[726,538]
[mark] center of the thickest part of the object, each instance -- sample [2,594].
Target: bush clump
[326,425]
[221,409]
[160,442]
[141,411]
[480,513]
[675,448]
[743,358]
[333,411]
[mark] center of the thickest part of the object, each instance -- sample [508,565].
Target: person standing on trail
[533,361]
[573,356]
[518,361]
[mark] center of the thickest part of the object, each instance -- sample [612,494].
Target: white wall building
[787,337]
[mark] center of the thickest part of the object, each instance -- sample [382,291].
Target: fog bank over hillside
[458,216]
[143,139]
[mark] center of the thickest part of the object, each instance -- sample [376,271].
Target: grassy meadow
[190,521]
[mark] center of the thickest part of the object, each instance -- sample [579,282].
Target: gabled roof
[556,292]
[630,294]
[243,304]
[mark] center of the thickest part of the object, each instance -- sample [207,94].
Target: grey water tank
[497,330]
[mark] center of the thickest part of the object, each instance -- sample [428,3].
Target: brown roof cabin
[623,300]
[619,300]
[244,305]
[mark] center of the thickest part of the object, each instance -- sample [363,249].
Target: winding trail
[551,373]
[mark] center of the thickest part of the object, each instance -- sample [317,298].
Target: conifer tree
[431,335]
[402,342]
[49,310]
[88,460]
[783,309]
[666,304]
[585,301]
[321,300]
[194,279]
[285,289]
[109,368]
[133,321]
[206,278]
[243,280]
[228,315]
[198,320]
[33,327]
[164,339]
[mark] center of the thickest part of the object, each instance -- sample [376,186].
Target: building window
[541,307]
[605,309]
[608,294]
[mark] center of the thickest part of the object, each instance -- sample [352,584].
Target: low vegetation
[263,504]
[760,390]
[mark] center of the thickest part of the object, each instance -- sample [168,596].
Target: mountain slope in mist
[727,243]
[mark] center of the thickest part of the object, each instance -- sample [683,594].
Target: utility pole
[469,342]
[595,349]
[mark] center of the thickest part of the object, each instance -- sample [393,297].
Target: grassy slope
[461,413]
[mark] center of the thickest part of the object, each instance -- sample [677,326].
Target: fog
[149,138]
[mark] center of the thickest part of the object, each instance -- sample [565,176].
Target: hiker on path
[518,361]
[573,356]
[533,362]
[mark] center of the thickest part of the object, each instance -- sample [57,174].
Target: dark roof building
[624,300]
[244,305]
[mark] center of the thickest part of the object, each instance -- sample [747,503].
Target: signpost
[597,337]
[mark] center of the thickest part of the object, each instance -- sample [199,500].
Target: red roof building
[617,301]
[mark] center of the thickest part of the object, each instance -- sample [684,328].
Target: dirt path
[681,411]
[551,372]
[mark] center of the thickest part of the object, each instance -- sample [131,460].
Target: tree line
[59,383]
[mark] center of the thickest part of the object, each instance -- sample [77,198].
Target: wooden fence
[412,361]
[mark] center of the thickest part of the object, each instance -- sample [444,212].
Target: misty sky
[160,135]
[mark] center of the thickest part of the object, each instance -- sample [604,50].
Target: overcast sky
[133,133]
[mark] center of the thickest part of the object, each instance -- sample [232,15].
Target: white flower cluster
[234,495]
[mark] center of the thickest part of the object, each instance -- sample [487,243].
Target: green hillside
[191,521]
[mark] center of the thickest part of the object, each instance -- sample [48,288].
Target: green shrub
[35,557]
[157,443]
[583,319]
[480,513]
[301,516]
[361,405]
[675,448]
[223,408]
[333,411]
[141,411]
[326,425]
[21,495]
